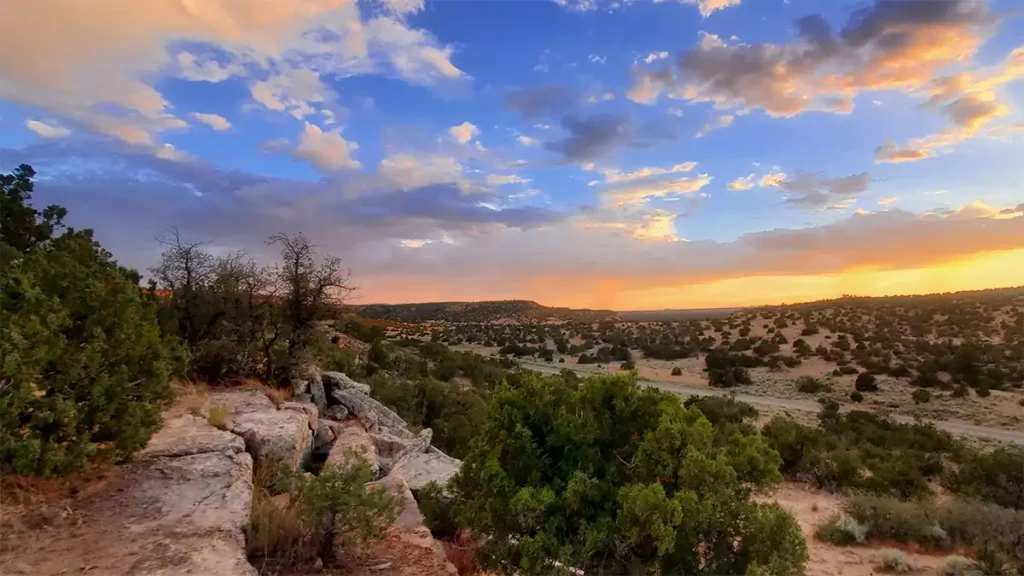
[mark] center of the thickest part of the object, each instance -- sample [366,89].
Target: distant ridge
[516,311]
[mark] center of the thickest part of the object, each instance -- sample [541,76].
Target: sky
[584,153]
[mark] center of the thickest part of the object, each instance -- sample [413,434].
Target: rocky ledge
[183,504]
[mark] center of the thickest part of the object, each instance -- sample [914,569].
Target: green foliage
[439,511]
[896,561]
[83,366]
[841,530]
[921,396]
[861,450]
[811,385]
[677,371]
[865,382]
[959,566]
[856,396]
[609,478]
[988,529]
[297,518]
[996,476]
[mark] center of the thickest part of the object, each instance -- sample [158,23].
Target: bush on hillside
[84,367]
[865,383]
[297,519]
[608,478]
[995,476]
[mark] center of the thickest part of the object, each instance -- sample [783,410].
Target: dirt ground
[812,508]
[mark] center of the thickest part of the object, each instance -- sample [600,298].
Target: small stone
[299,386]
[383,566]
[337,412]
[316,387]
[303,399]
[324,435]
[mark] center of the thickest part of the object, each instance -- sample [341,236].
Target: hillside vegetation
[511,311]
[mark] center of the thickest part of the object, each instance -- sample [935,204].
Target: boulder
[351,445]
[307,408]
[242,401]
[323,436]
[187,435]
[421,468]
[339,381]
[372,413]
[275,435]
[407,548]
[391,448]
[316,389]
[337,412]
[180,507]
[299,386]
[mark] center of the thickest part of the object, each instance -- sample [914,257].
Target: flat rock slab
[165,514]
[421,468]
[242,401]
[275,435]
[352,443]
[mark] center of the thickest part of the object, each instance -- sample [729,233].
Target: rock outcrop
[180,507]
[353,444]
[275,436]
[421,468]
[407,549]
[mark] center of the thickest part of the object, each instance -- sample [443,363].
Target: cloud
[541,101]
[815,191]
[327,151]
[673,111]
[742,183]
[723,121]
[473,252]
[596,59]
[597,136]
[603,97]
[772,179]
[464,132]
[635,193]
[525,140]
[169,152]
[888,201]
[889,45]
[403,7]
[653,56]
[614,175]
[414,243]
[105,77]
[407,171]
[708,7]
[215,121]
[501,179]
[893,154]
[295,91]
[48,131]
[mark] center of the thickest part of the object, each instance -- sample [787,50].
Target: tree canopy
[611,478]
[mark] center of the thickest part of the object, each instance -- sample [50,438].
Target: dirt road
[957,428]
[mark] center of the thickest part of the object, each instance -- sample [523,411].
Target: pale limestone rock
[275,435]
[421,468]
[307,408]
[352,445]
[242,401]
[339,381]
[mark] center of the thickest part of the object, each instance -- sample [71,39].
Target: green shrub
[995,476]
[953,523]
[897,561]
[841,530]
[865,382]
[856,396]
[539,485]
[297,518]
[809,385]
[921,396]
[677,371]
[959,566]
[85,370]
[439,511]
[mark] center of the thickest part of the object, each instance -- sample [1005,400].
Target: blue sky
[529,149]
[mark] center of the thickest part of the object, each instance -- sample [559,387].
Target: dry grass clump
[219,416]
[190,397]
[897,561]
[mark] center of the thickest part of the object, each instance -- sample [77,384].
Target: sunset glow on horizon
[582,153]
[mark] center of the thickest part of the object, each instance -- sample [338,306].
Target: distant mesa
[519,311]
